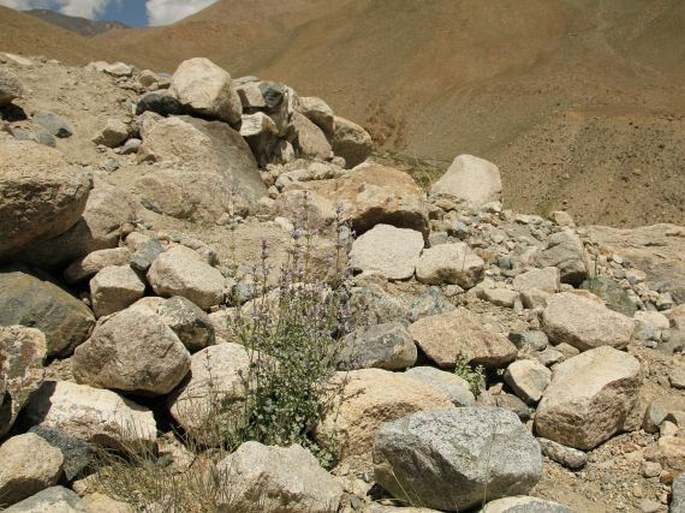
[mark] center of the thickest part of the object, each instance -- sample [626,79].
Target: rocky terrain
[494,360]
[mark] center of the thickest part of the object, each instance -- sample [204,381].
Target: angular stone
[351,142]
[565,251]
[385,346]
[546,279]
[260,479]
[389,251]
[160,102]
[318,112]
[261,133]
[453,386]
[78,455]
[453,460]
[584,323]
[94,415]
[373,397]
[207,89]
[446,336]
[114,288]
[527,504]
[42,195]
[471,179]
[182,272]
[499,297]
[528,379]
[22,356]
[54,124]
[310,140]
[567,456]
[114,133]
[145,254]
[450,263]
[29,301]
[589,398]
[56,499]
[89,265]
[133,351]
[10,87]
[29,465]
[373,194]
[216,386]
[678,494]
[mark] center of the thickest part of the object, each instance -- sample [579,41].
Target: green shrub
[474,376]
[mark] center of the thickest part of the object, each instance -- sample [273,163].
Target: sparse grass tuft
[474,376]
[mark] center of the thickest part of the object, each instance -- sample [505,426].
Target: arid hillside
[580,102]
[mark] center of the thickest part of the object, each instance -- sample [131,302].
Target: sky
[136,13]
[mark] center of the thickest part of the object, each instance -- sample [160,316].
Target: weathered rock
[546,279]
[146,253]
[450,263]
[42,196]
[318,112]
[669,451]
[567,456]
[260,479]
[499,297]
[429,302]
[351,142]
[78,454]
[132,351]
[528,379]
[22,355]
[373,397]
[678,494]
[565,251]
[114,288]
[455,387]
[310,140]
[207,89]
[204,146]
[389,251]
[454,459]
[191,324]
[113,134]
[261,133]
[54,124]
[97,416]
[589,398]
[297,205]
[521,504]
[56,499]
[584,323]
[216,386]
[509,402]
[94,262]
[372,305]
[445,336]
[116,69]
[29,301]
[182,272]
[29,465]
[385,346]
[373,194]
[530,340]
[99,503]
[161,102]
[10,87]
[471,179]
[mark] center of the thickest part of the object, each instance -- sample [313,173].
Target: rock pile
[488,352]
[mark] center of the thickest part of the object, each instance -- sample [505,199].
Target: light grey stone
[56,499]
[114,288]
[89,265]
[385,346]
[455,387]
[528,379]
[113,134]
[525,504]
[389,251]
[567,456]
[471,179]
[351,142]
[565,251]
[450,263]
[547,280]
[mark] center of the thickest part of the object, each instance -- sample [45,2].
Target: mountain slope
[82,26]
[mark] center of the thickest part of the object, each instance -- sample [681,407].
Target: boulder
[97,416]
[455,459]
[447,336]
[202,146]
[584,323]
[391,252]
[182,272]
[79,455]
[191,324]
[216,386]
[299,205]
[528,379]
[260,479]
[132,351]
[113,134]
[22,355]
[589,398]
[546,279]
[94,262]
[318,112]
[56,499]
[10,87]
[678,494]
[29,465]
[42,195]
[207,89]
[310,140]
[564,251]
[261,133]
[114,288]
[29,301]
[451,264]
[373,194]
[385,346]
[524,503]
[453,386]
[474,180]
[373,397]
[350,141]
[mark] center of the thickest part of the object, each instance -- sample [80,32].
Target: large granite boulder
[350,141]
[474,180]
[450,264]
[389,251]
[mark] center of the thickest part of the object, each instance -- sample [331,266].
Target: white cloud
[164,12]
[85,8]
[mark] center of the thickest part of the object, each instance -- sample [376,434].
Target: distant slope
[82,26]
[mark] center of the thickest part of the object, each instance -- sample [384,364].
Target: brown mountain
[580,102]
[82,26]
